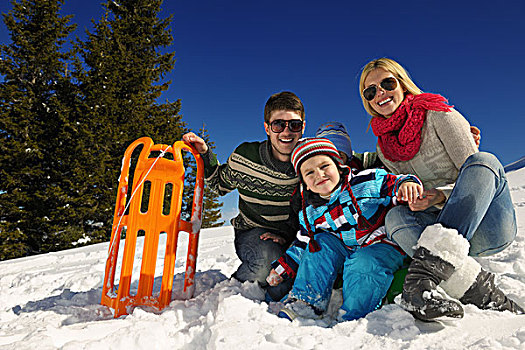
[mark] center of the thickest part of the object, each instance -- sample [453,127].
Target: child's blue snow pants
[367,275]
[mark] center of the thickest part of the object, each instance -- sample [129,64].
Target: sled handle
[194,225]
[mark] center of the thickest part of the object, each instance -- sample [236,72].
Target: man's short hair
[283,101]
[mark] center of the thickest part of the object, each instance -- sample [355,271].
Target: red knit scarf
[399,136]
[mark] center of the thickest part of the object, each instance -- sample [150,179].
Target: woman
[466,192]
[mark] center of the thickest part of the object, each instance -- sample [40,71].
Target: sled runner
[151,213]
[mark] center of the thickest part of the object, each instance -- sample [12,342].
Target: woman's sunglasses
[279,125]
[388,84]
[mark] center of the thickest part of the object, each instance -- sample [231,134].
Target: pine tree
[37,201]
[122,76]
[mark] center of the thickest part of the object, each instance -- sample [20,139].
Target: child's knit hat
[313,146]
[337,134]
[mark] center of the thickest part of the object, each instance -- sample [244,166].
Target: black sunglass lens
[369,93]
[295,125]
[389,84]
[278,125]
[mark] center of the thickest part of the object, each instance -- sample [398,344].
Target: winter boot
[420,296]
[295,308]
[473,285]
[467,281]
[439,252]
[486,296]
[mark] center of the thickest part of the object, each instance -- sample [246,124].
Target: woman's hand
[476,135]
[430,197]
[196,141]
[277,239]
[409,192]
[273,278]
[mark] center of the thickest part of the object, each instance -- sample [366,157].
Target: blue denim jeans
[479,207]
[256,257]
[367,275]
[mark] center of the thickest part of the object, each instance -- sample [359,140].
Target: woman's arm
[454,132]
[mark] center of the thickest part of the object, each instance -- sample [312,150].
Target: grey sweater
[446,142]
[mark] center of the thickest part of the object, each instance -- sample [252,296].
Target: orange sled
[152,217]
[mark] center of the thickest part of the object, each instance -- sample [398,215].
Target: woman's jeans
[479,208]
[256,257]
[367,275]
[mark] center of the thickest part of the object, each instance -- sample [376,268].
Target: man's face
[283,142]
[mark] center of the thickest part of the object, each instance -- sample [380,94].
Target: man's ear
[267,128]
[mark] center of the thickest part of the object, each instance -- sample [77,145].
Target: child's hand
[430,197]
[273,278]
[410,192]
[277,239]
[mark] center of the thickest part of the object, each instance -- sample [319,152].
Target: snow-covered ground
[52,301]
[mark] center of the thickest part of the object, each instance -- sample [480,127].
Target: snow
[52,301]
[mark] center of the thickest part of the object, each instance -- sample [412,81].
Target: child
[341,225]
[336,133]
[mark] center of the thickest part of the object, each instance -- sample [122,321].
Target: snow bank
[52,301]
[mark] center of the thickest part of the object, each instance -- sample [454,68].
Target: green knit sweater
[265,186]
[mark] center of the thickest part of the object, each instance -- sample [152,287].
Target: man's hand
[273,278]
[196,141]
[430,198]
[410,192]
[277,239]
[476,135]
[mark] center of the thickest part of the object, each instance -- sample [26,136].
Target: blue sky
[232,55]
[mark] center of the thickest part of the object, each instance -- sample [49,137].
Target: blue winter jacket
[375,191]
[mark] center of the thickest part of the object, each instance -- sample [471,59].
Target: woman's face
[384,102]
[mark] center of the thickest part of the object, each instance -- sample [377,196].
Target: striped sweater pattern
[265,186]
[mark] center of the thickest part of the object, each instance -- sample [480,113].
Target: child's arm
[419,199]
[286,266]
[410,189]
[410,192]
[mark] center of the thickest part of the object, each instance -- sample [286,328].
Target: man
[265,179]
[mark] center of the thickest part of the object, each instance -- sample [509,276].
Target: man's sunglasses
[279,125]
[388,84]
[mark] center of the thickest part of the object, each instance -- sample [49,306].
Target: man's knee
[252,248]
[257,256]
[253,270]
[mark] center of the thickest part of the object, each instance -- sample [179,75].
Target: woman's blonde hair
[393,67]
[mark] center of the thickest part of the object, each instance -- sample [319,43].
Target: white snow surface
[52,301]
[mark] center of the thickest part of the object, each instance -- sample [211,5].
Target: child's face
[320,174]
